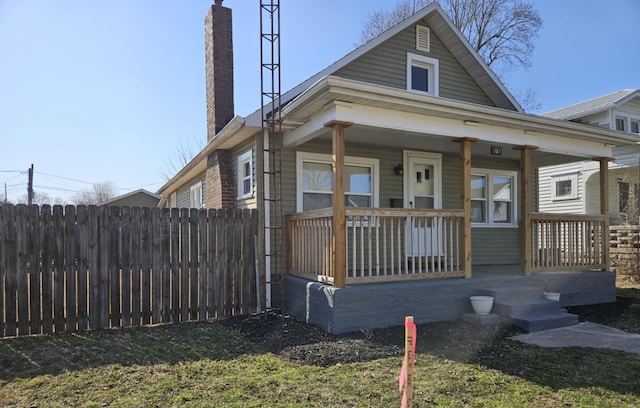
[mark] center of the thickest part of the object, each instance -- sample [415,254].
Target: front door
[423,189]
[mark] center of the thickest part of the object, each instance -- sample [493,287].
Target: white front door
[423,189]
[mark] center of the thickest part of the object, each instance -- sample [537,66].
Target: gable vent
[423,40]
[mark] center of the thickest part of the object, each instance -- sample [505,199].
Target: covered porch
[424,253]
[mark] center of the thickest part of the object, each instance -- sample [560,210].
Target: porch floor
[376,305]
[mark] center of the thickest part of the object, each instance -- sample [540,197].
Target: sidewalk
[584,334]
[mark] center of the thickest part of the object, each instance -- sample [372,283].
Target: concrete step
[534,322]
[523,306]
[515,293]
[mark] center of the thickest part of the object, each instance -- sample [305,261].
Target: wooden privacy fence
[624,243]
[88,267]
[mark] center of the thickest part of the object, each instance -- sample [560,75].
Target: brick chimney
[218,45]
[219,182]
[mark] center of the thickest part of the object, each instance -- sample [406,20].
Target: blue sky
[106,91]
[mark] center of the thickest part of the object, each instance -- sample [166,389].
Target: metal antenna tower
[270,144]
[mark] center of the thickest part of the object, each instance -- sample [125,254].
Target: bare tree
[39,198]
[501,31]
[98,193]
[179,158]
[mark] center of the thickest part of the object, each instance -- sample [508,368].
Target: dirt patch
[305,344]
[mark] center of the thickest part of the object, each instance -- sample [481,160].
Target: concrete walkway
[584,334]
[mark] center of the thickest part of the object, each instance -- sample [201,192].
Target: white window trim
[434,72]
[173,200]
[302,157]
[194,189]
[489,173]
[574,187]
[246,157]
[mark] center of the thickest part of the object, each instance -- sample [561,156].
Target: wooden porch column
[604,209]
[465,200]
[339,220]
[525,206]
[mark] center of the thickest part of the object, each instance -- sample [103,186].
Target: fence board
[83,265]
[146,265]
[48,249]
[193,263]
[220,276]
[58,269]
[94,276]
[114,265]
[103,272]
[184,264]
[77,268]
[125,287]
[70,244]
[21,271]
[3,264]
[10,274]
[204,265]
[166,271]
[156,249]
[175,265]
[34,255]
[227,256]
[135,266]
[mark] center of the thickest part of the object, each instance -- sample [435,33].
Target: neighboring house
[436,166]
[137,198]
[574,187]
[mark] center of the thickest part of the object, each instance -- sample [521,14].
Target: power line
[64,178]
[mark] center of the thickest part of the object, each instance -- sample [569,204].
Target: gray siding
[546,177]
[182,196]
[387,65]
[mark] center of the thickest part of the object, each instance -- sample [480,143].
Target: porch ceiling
[367,135]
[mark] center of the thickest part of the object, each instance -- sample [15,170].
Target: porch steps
[527,308]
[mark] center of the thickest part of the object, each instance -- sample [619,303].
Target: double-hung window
[195,195]
[315,181]
[245,175]
[422,74]
[493,198]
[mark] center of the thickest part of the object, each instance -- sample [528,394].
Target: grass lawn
[217,364]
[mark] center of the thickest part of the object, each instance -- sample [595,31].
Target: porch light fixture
[496,150]
[398,169]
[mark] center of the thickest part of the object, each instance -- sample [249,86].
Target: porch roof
[376,106]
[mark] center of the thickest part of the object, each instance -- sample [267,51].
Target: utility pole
[30,188]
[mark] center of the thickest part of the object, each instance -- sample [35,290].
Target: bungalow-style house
[574,187]
[408,182]
[137,198]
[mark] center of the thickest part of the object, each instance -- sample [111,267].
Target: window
[564,187]
[195,195]
[620,123]
[245,175]
[635,126]
[493,198]
[315,181]
[422,74]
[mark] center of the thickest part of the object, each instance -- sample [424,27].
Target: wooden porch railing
[567,242]
[382,244]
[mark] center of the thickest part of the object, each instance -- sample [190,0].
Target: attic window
[423,38]
[422,74]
